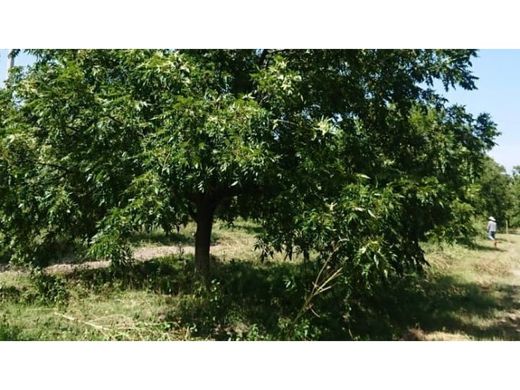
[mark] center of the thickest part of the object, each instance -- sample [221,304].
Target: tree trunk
[204,221]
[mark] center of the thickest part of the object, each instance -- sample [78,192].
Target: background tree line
[500,194]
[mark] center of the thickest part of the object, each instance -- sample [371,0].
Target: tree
[100,142]
[495,193]
[515,197]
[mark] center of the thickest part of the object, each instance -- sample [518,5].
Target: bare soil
[141,254]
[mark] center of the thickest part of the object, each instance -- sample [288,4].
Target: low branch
[321,284]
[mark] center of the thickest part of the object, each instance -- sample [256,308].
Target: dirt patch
[152,252]
[69,268]
[141,254]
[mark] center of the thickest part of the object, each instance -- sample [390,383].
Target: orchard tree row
[500,194]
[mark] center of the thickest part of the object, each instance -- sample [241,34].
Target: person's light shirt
[492,226]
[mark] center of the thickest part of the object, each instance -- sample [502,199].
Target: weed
[51,288]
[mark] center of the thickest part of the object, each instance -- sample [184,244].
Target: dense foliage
[496,197]
[348,154]
[514,214]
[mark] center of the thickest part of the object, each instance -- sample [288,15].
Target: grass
[156,300]
[471,292]
[468,293]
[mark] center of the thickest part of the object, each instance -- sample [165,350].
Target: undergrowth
[163,299]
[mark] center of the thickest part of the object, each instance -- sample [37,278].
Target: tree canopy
[496,193]
[346,153]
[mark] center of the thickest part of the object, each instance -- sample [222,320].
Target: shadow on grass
[254,301]
[184,237]
[245,227]
[443,304]
[480,247]
[241,296]
[172,238]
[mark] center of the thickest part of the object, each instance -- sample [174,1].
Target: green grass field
[468,293]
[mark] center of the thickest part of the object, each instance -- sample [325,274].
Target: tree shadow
[168,275]
[173,238]
[183,237]
[480,247]
[240,293]
[247,300]
[445,304]
[245,227]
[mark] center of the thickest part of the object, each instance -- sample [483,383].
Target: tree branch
[55,166]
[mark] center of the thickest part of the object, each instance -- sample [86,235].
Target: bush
[51,288]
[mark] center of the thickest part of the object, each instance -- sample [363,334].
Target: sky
[497,93]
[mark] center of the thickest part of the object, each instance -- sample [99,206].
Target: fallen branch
[102,329]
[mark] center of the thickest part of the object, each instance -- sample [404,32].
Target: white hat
[492,219]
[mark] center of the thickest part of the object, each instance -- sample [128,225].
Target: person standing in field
[492,230]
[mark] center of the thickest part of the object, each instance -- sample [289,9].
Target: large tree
[97,143]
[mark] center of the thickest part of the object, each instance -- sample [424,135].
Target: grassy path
[472,293]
